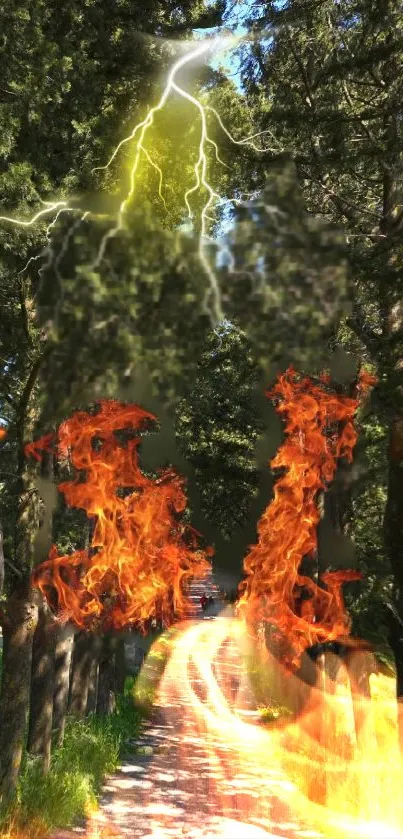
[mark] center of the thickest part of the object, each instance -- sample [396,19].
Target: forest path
[173,785]
[157,794]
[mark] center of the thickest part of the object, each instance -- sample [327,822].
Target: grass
[144,688]
[91,749]
[273,712]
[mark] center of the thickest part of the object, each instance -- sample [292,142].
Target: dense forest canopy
[261,227]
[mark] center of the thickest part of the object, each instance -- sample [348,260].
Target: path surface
[157,796]
[169,788]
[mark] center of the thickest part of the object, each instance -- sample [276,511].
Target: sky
[235,19]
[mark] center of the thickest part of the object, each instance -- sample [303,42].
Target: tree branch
[356,322]
[24,313]
[29,386]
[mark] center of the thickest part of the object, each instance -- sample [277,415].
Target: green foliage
[129,685]
[325,81]
[287,283]
[78,80]
[217,426]
[143,306]
[368,600]
[59,799]
[145,686]
[90,750]
[271,713]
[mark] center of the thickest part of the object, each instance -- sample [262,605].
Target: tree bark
[19,619]
[93,677]
[106,700]
[393,525]
[19,624]
[120,665]
[62,663]
[42,679]
[80,675]
[1,561]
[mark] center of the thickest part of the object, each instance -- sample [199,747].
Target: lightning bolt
[138,135]
[57,205]
[201,181]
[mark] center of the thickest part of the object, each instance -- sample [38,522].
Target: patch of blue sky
[236,21]
[229,59]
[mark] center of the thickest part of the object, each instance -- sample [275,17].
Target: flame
[331,768]
[141,555]
[37,448]
[320,430]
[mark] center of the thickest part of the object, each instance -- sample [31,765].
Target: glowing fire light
[331,766]
[312,770]
[141,555]
[319,430]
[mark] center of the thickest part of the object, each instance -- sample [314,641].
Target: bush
[58,798]
[144,688]
[91,749]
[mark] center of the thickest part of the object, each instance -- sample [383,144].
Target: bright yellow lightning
[200,167]
[201,182]
[30,222]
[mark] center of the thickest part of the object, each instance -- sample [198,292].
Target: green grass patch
[144,688]
[91,749]
[271,713]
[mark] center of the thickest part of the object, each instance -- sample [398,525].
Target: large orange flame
[141,554]
[319,429]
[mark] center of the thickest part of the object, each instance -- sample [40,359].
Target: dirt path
[174,786]
[156,795]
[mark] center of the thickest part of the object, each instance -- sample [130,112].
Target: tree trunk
[93,678]
[19,624]
[1,561]
[19,619]
[80,675]
[393,525]
[335,548]
[42,680]
[63,653]
[42,676]
[120,665]
[360,664]
[106,700]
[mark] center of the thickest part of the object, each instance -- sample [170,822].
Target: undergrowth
[91,749]
[144,688]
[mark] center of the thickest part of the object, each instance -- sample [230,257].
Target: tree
[218,426]
[71,76]
[76,330]
[328,84]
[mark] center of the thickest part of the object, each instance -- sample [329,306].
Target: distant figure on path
[204,602]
